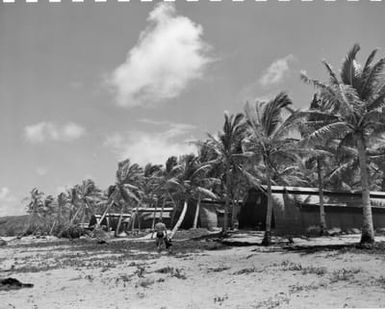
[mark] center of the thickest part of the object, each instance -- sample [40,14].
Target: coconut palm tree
[202,183]
[267,144]
[352,111]
[190,184]
[317,160]
[62,200]
[86,195]
[152,177]
[34,209]
[227,146]
[125,189]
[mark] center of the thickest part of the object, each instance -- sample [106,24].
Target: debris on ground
[13,284]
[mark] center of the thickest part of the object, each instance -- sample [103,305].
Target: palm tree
[150,188]
[352,111]
[86,196]
[190,184]
[318,159]
[62,200]
[34,208]
[125,189]
[269,147]
[227,146]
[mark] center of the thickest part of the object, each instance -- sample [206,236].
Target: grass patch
[286,265]
[290,266]
[248,271]
[165,270]
[173,272]
[81,253]
[303,287]
[319,271]
[344,274]
[145,283]
[218,269]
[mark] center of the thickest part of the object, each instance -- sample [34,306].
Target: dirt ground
[327,272]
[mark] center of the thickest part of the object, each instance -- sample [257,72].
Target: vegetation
[351,111]
[333,144]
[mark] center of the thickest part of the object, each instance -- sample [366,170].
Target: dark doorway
[253,211]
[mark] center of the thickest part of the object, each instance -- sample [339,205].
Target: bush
[71,231]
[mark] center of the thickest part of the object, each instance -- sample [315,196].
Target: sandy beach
[128,273]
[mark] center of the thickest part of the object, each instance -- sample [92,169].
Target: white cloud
[144,147]
[46,131]
[169,54]
[277,71]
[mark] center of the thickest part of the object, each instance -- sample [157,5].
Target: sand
[131,274]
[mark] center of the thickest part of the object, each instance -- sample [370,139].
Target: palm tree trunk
[59,214]
[162,210]
[233,213]
[52,227]
[227,200]
[321,199]
[180,220]
[90,211]
[197,212]
[97,225]
[76,214]
[367,236]
[119,221]
[70,212]
[132,222]
[83,214]
[174,209]
[136,216]
[154,216]
[269,211]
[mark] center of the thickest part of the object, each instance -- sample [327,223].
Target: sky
[84,85]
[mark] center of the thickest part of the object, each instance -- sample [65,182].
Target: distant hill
[12,225]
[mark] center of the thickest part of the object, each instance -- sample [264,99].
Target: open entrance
[253,212]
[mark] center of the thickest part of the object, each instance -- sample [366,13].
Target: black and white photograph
[192,154]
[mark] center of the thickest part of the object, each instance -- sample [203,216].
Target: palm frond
[272,113]
[348,71]
[379,100]
[205,192]
[333,77]
[329,132]
[374,76]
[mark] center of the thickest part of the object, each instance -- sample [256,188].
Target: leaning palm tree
[125,189]
[34,209]
[352,111]
[87,194]
[189,183]
[269,147]
[227,146]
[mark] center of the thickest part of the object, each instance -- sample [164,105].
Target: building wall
[295,212]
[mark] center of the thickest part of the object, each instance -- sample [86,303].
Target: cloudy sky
[83,85]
